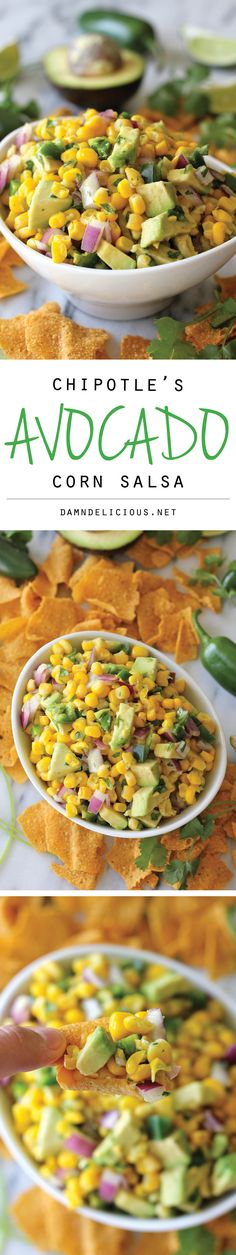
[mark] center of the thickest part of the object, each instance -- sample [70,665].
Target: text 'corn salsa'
[113,736]
[116,192]
[119,1154]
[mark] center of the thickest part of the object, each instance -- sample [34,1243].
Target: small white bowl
[121,294]
[193,692]
[19,985]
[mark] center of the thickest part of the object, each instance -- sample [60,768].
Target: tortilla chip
[58,566]
[187,643]
[212,873]
[9,285]
[199,334]
[8,589]
[82,342]
[134,347]
[122,858]
[62,1231]
[12,336]
[103,1081]
[80,851]
[110,586]
[55,615]
[11,628]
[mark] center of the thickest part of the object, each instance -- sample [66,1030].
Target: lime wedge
[208,48]
[9,62]
[222,99]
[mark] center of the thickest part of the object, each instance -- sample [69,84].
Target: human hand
[23,1049]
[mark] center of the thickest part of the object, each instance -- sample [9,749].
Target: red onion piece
[149,1092]
[108,1119]
[107,113]
[91,238]
[211,1123]
[95,759]
[21,1009]
[230,1054]
[96,802]
[92,978]
[42,673]
[29,709]
[88,189]
[191,727]
[109,1185]
[4,1080]
[3,175]
[182,162]
[92,656]
[81,1144]
[155,1017]
[24,135]
[49,233]
[107,232]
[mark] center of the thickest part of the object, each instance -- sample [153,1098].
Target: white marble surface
[14,1182]
[24,868]
[38,27]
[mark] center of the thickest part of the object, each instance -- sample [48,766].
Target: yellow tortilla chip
[9,285]
[132,347]
[55,615]
[80,851]
[110,586]
[58,566]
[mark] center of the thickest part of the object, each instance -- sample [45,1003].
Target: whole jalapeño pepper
[218,655]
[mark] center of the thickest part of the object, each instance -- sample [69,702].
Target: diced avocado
[141,802]
[125,148]
[147,773]
[128,1045]
[224,1174]
[185,178]
[172,1151]
[113,818]
[159,198]
[49,1141]
[43,205]
[173,1187]
[162,227]
[126,1201]
[58,765]
[189,1097]
[60,712]
[164,986]
[95,1053]
[219,1145]
[123,726]
[167,749]
[146,666]
[119,1142]
[114,257]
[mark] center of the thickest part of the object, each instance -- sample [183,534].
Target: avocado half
[110,90]
[100,540]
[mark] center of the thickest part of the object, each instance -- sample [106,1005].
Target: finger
[23,1049]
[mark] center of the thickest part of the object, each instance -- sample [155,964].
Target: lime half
[208,48]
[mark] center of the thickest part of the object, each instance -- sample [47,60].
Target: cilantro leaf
[198,1240]
[223,312]
[151,852]
[170,342]
[199,828]
[179,871]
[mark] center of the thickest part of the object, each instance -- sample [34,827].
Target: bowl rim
[66,266]
[216,775]
[18,983]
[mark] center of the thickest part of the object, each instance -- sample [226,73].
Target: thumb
[23,1049]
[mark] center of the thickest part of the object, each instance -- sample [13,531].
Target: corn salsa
[113,736]
[113,191]
[119,1153]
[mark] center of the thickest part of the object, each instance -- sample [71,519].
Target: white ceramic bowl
[18,985]
[193,692]
[121,294]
